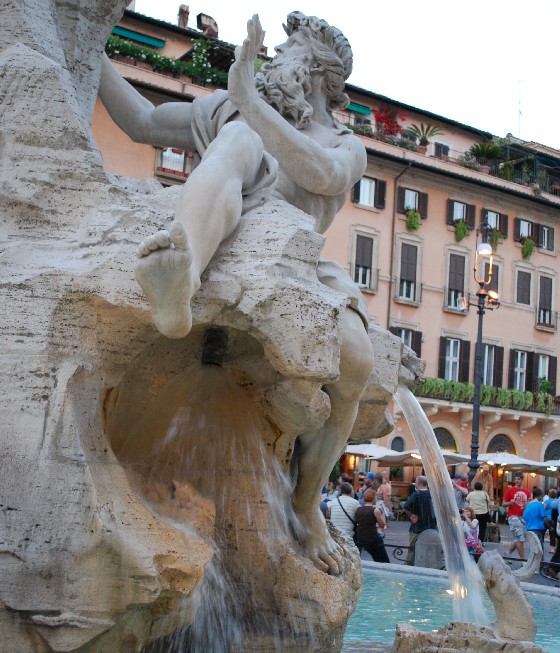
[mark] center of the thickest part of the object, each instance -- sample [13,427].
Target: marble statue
[273,137]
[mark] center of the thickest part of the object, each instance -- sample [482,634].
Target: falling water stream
[465,579]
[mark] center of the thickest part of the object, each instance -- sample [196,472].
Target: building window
[364,274]
[459,211]
[546,237]
[397,443]
[496,221]
[370,192]
[410,338]
[552,452]
[522,229]
[406,336]
[407,282]
[545,301]
[456,282]
[441,150]
[501,443]
[488,364]
[453,363]
[452,350]
[546,373]
[412,199]
[445,439]
[520,370]
[172,160]
[523,295]
[495,280]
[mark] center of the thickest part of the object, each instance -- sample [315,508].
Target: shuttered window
[545,301]
[494,283]
[523,287]
[453,364]
[412,199]
[407,282]
[496,221]
[545,237]
[457,211]
[456,281]
[521,370]
[370,192]
[523,229]
[410,338]
[363,261]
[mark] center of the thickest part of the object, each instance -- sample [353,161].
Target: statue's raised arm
[289,106]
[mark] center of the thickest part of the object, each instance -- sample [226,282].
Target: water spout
[214,347]
[464,576]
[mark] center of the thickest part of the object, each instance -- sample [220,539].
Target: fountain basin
[396,593]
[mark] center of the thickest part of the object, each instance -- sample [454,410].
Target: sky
[489,64]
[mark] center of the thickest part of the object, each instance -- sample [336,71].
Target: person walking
[551,507]
[420,510]
[369,519]
[515,500]
[479,502]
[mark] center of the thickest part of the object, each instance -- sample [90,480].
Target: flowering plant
[387,121]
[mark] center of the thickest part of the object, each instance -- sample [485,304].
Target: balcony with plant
[491,396]
[198,69]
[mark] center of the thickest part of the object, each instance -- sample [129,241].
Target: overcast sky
[477,62]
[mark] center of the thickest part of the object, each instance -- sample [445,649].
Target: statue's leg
[210,205]
[321,449]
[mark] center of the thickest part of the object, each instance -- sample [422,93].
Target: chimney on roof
[183,16]
[207,25]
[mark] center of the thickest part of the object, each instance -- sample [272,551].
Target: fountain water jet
[466,582]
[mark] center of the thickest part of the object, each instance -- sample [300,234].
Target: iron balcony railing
[546,318]
[408,291]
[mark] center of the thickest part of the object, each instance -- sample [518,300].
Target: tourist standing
[369,519]
[515,500]
[420,510]
[342,510]
[479,501]
[551,507]
[460,490]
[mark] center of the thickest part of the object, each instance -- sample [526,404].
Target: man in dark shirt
[420,510]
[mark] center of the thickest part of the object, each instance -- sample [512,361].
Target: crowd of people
[363,513]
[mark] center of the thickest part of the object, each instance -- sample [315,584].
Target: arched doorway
[498,444]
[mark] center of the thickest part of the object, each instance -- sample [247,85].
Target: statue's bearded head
[312,45]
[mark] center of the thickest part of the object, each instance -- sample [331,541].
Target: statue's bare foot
[165,274]
[320,548]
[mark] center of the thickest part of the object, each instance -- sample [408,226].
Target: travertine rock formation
[95,555]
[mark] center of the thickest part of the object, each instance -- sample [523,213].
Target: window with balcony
[407,288]
[523,288]
[453,363]
[544,310]
[545,238]
[492,365]
[523,229]
[412,199]
[496,221]
[365,274]
[370,192]
[455,295]
[460,211]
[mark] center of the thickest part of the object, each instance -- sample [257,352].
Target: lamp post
[486,300]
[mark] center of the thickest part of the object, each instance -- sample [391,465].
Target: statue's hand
[241,80]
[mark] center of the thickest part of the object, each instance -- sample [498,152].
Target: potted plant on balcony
[485,153]
[424,132]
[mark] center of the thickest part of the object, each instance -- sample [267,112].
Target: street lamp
[486,300]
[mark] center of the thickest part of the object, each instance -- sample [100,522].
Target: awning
[138,37]
[359,108]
